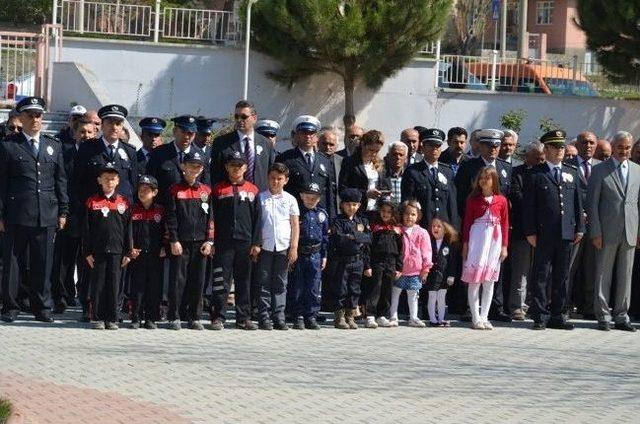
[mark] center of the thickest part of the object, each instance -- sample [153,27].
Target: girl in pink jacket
[416,262]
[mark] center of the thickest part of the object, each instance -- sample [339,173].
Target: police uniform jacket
[437,197]
[314,230]
[148,228]
[516,197]
[552,209]
[386,245]
[164,165]
[76,208]
[92,157]
[354,175]
[300,176]
[107,225]
[467,173]
[188,212]
[236,212]
[33,190]
[349,238]
[143,160]
[445,264]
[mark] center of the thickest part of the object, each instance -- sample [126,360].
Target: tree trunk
[349,117]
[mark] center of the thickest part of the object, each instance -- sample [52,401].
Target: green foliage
[613,33]
[513,120]
[26,12]
[5,410]
[548,124]
[359,40]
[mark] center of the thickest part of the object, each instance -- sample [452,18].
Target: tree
[513,120]
[359,40]
[613,33]
[469,21]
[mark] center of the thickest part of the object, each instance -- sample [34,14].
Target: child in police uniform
[280,232]
[190,231]
[106,243]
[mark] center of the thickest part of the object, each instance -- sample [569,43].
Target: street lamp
[247,39]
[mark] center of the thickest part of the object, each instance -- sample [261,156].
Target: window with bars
[544,12]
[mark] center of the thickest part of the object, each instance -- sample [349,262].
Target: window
[544,12]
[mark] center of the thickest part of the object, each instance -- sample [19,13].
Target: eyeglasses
[239,117]
[14,127]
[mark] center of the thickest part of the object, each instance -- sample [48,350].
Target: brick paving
[65,373]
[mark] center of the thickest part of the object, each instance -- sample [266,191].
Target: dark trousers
[39,241]
[272,270]
[186,279]
[67,255]
[347,275]
[304,286]
[377,289]
[233,257]
[145,274]
[550,266]
[497,302]
[105,285]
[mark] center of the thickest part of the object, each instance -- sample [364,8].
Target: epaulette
[575,168]
[127,145]
[52,138]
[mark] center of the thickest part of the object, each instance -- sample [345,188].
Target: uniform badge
[251,196]
[50,150]
[105,211]
[323,168]
[204,197]
[445,251]
[504,173]
[205,207]
[123,154]
[242,195]
[567,178]
[258,150]
[121,208]
[442,178]
[322,217]
[360,227]
[157,218]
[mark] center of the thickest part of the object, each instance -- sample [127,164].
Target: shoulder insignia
[568,165]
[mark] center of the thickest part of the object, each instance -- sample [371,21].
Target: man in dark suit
[256,148]
[164,163]
[552,222]
[151,137]
[430,182]
[307,165]
[94,154]
[352,136]
[454,155]
[508,148]
[411,137]
[33,203]
[489,141]
[328,144]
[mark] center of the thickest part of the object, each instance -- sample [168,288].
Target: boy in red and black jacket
[148,228]
[236,213]
[106,243]
[190,231]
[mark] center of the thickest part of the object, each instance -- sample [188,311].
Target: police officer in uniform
[33,203]
[552,223]
[204,137]
[94,154]
[307,165]
[151,137]
[268,129]
[431,182]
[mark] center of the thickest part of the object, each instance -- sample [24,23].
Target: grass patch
[5,410]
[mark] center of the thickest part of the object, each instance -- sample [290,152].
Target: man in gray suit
[581,265]
[613,203]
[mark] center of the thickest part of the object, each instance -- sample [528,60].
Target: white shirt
[304,155]
[277,210]
[242,136]
[185,151]
[487,163]
[438,243]
[35,138]
[623,167]
[106,144]
[372,178]
[581,163]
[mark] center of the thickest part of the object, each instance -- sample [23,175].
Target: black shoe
[44,317]
[150,325]
[60,307]
[281,325]
[9,316]
[625,326]
[299,324]
[311,324]
[501,317]
[561,325]
[604,326]
[539,326]
[321,319]
[266,325]
[246,325]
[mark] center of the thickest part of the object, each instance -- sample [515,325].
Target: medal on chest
[105,211]
[121,208]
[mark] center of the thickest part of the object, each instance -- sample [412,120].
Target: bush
[5,410]
[26,12]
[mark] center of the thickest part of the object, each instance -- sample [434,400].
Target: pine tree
[613,33]
[360,40]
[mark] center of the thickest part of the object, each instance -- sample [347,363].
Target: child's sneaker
[111,325]
[435,324]
[217,325]
[175,325]
[383,322]
[299,324]
[150,325]
[487,325]
[134,325]
[196,325]
[393,322]
[97,325]
[416,323]
[371,323]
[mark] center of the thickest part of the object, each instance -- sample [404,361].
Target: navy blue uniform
[436,194]
[301,175]
[33,194]
[304,284]
[386,260]
[164,165]
[552,211]
[349,241]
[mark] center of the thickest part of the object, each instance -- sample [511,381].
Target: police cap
[31,103]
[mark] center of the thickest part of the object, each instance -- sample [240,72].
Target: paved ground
[65,373]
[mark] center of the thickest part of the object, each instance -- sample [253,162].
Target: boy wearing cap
[312,259]
[190,229]
[148,229]
[236,213]
[106,244]
[349,240]
[280,234]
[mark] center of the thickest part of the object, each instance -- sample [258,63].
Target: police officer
[306,164]
[431,182]
[151,137]
[268,129]
[33,203]
[552,222]
[204,136]
[165,160]
[94,154]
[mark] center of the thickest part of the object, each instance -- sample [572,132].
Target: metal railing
[431,48]
[567,78]
[142,21]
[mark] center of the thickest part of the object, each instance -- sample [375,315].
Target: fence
[571,77]
[142,21]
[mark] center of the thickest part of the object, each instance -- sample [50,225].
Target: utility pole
[523,39]
[503,30]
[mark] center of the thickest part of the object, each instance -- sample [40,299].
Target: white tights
[412,298]
[439,297]
[473,295]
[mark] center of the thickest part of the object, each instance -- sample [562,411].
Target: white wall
[167,80]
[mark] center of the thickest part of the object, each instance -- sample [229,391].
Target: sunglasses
[14,127]
[239,117]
